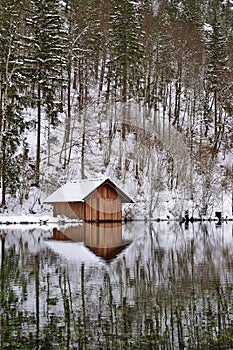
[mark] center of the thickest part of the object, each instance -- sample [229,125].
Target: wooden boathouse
[89,200]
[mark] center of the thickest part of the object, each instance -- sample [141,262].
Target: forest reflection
[134,286]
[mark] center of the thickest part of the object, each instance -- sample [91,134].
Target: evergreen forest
[137,90]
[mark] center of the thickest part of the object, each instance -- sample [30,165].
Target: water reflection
[171,288]
[104,239]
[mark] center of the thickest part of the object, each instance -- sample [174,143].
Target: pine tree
[84,20]
[192,12]
[12,98]
[85,45]
[217,70]
[45,60]
[126,60]
[217,51]
[158,52]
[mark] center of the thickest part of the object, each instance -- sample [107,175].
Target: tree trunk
[124,83]
[38,135]
[83,147]
[75,74]
[37,291]
[2,150]
[177,96]
[3,204]
[81,86]
[68,117]
[101,80]
[2,237]
[215,113]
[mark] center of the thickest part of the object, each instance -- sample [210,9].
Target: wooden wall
[94,234]
[99,209]
[103,205]
[72,210]
[107,192]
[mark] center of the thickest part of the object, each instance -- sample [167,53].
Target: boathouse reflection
[104,239]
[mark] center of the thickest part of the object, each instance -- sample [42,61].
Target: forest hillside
[140,91]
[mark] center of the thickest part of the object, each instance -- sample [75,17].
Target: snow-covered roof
[79,190]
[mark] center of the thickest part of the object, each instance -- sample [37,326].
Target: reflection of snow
[73,251]
[70,267]
[163,238]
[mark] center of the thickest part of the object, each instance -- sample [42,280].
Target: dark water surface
[136,286]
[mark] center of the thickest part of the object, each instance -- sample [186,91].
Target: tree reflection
[11,317]
[171,289]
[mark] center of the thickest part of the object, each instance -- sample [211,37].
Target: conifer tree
[12,98]
[126,47]
[157,56]
[217,70]
[192,12]
[83,21]
[45,60]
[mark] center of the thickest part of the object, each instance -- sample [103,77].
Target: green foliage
[12,96]
[191,12]
[126,37]
[217,52]
[46,57]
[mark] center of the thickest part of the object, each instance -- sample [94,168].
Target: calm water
[136,286]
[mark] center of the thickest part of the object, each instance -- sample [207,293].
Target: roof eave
[126,198]
[64,201]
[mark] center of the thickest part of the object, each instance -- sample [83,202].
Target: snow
[208,27]
[73,251]
[76,191]
[34,221]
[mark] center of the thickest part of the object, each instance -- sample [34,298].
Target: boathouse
[89,200]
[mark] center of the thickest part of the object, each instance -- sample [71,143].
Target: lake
[138,286]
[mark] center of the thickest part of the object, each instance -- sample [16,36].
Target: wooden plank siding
[89,200]
[105,235]
[99,209]
[110,210]
[103,205]
[72,210]
[107,192]
[92,209]
[59,235]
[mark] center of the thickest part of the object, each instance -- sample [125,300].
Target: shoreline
[7,220]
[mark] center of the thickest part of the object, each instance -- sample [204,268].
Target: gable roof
[78,191]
